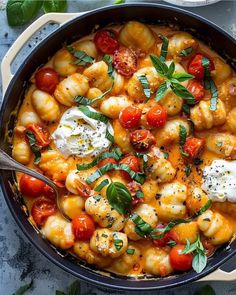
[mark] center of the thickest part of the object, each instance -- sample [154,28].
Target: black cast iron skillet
[219,40]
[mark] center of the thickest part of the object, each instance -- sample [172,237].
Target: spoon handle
[7,163]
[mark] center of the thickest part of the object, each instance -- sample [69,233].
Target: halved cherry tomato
[156,116]
[196,68]
[142,139]
[210,249]
[41,134]
[42,208]
[106,41]
[180,261]
[83,227]
[125,61]
[197,89]
[83,188]
[106,161]
[133,163]
[48,192]
[46,80]
[194,147]
[166,238]
[30,186]
[130,116]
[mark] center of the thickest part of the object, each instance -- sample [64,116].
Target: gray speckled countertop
[19,260]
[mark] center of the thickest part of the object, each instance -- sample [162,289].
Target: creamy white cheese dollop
[219,181]
[80,135]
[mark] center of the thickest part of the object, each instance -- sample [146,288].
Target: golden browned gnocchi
[137,127]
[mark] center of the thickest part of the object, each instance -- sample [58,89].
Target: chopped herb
[139,177]
[117,242]
[87,101]
[130,251]
[161,91]
[82,58]
[188,170]
[186,52]
[186,109]
[197,161]
[166,155]
[115,154]
[142,228]
[101,185]
[139,194]
[97,198]
[119,197]
[146,87]
[108,60]
[34,147]
[164,48]
[182,139]
[104,235]
[145,159]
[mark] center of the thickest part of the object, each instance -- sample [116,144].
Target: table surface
[20,262]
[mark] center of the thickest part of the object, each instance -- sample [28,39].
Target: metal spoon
[7,163]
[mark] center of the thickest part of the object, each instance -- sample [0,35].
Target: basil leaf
[171,243]
[101,185]
[181,77]
[160,66]
[20,12]
[74,288]
[59,293]
[199,262]
[182,135]
[108,60]
[94,115]
[166,155]
[142,228]
[145,84]
[188,170]
[54,6]
[119,197]
[185,52]
[82,58]
[171,70]
[139,177]
[23,289]
[214,96]
[181,91]
[130,251]
[34,147]
[161,91]
[119,2]
[140,194]
[164,48]
[87,101]
[203,209]
[207,290]
[115,154]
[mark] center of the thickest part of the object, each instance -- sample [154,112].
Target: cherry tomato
[48,192]
[42,208]
[156,116]
[133,163]
[83,227]
[166,238]
[83,188]
[46,80]
[210,249]
[194,147]
[196,68]
[106,41]
[197,89]
[30,186]
[41,134]
[125,61]
[106,161]
[130,116]
[142,139]
[180,261]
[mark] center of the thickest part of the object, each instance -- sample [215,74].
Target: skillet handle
[58,18]
[220,275]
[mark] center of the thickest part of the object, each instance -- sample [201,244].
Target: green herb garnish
[130,251]
[101,185]
[82,58]
[119,197]
[182,140]
[186,52]
[34,147]
[164,48]
[145,84]
[117,242]
[108,60]
[188,170]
